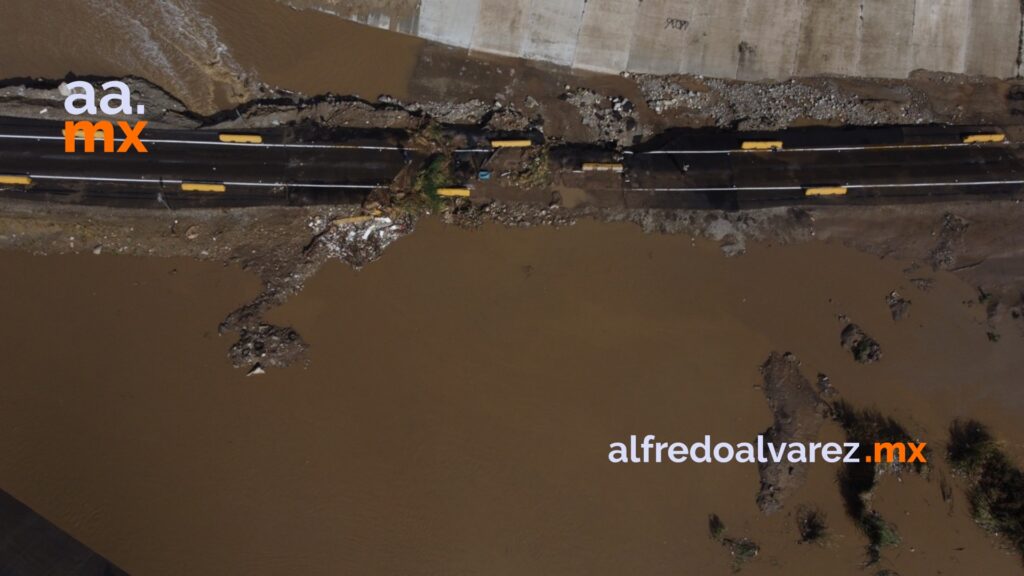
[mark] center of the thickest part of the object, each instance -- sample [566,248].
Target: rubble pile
[777,105]
[609,119]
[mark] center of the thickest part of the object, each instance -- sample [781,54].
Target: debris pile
[609,119]
[777,105]
[266,346]
[357,240]
[899,306]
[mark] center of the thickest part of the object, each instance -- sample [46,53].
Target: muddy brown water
[462,392]
[209,53]
[460,398]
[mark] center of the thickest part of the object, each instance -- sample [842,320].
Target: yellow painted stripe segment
[984,138]
[197,187]
[13,180]
[826,191]
[242,138]
[511,143]
[762,145]
[453,192]
[352,220]
[79,134]
[602,167]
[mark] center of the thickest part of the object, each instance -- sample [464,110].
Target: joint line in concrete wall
[1020,43]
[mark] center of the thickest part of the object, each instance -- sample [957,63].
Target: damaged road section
[355,240]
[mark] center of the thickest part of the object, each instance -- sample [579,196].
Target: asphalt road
[708,168]
[679,169]
[281,170]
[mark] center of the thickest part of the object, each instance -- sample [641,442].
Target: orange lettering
[131,137]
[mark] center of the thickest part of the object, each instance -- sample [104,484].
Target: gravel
[777,105]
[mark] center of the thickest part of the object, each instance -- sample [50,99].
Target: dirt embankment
[798,413]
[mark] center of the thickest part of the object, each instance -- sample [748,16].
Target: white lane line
[716,189]
[851,186]
[219,143]
[114,179]
[927,184]
[818,149]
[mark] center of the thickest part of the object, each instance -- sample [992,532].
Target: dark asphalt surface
[706,169]
[678,169]
[281,171]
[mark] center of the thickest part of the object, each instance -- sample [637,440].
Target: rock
[864,348]
[267,345]
[899,307]
[950,235]
[257,370]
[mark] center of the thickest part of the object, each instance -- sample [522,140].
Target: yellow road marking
[511,143]
[984,138]
[762,145]
[826,191]
[79,134]
[15,180]
[453,192]
[352,220]
[200,187]
[242,138]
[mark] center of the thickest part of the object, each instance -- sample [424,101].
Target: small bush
[716,527]
[970,444]
[881,534]
[996,486]
[742,550]
[434,175]
[811,525]
[857,480]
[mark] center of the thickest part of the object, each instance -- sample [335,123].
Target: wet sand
[459,402]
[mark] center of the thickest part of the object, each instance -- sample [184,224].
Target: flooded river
[209,53]
[461,394]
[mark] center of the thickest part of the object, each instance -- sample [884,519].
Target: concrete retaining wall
[745,39]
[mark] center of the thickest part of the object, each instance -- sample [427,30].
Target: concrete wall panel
[606,35]
[886,36]
[746,39]
[448,22]
[660,35]
[994,33]
[554,28]
[829,37]
[713,46]
[941,31]
[501,28]
[771,30]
